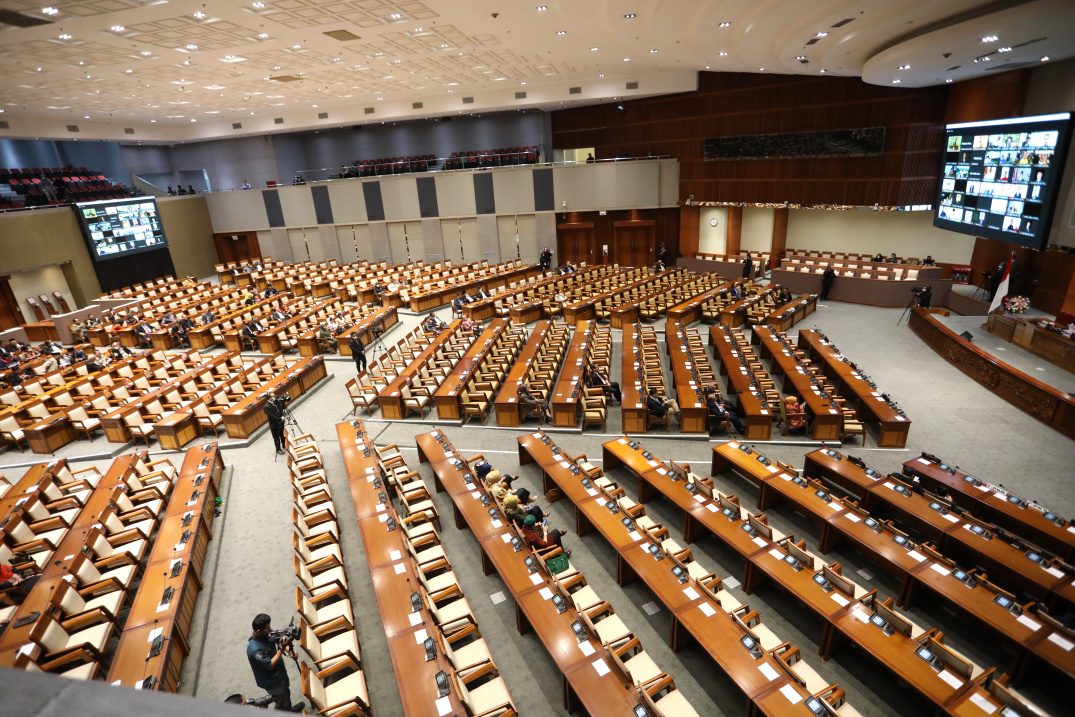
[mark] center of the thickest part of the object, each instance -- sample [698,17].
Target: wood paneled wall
[600,229]
[740,103]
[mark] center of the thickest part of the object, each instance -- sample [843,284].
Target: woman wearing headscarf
[537,535]
[494,485]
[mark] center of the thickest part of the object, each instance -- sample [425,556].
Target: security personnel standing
[274,411]
[358,352]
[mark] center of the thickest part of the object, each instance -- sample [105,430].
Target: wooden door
[10,315]
[576,242]
[634,243]
[237,247]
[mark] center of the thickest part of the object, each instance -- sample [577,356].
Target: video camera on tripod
[285,636]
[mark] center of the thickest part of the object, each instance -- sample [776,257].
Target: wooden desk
[50,434]
[177,429]
[750,403]
[506,403]
[689,311]
[633,411]
[849,382]
[242,419]
[687,380]
[390,398]
[1054,347]
[448,396]
[132,665]
[828,421]
[564,399]
[996,505]
[792,313]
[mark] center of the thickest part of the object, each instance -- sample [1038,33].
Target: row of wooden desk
[564,400]
[507,398]
[695,614]
[845,616]
[753,409]
[391,398]
[394,578]
[1029,637]
[587,679]
[449,395]
[689,311]
[690,372]
[871,405]
[587,308]
[524,311]
[786,316]
[630,311]
[246,416]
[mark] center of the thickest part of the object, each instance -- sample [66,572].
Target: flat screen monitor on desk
[1000,177]
[760,528]
[897,622]
[838,581]
[799,554]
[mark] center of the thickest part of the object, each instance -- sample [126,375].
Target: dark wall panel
[484,201]
[728,104]
[273,210]
[544,197]
[322,204]
[427,197]
[118,273]
[371,191]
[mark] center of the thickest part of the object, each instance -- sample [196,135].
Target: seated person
[379,288]
[393,287]
[143,330]
[92,321]
[249,334]
[496,485]
[659,406]
[467,325]
[539,536]
[119,351]
[78,330]
[10,578]
[879,257]
[796,414]
[560,298]
[325,333]
[718,412]
[457,303]
[598,379]
[433,323]
[277,316]
[97,362]
[528,398]
[785,296]
[928,261]
[208,317]
[483,294]
[892,259]
[271,290]
[925,297]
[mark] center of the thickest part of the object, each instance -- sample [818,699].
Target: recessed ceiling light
[823,71]
[380,98]
[542,8]
[86,117]
[199,15]
[905,67]
[50,11]
[1005,49]
[652,51]
[627,59]
[949,81]
[723,54]
[593,49]
[263,35]
[259,5]
[895,82]
[146,53]
[417,29]
[153,121]
[823,34]
[989,38]
[315,106]
[707,67]
[296,47]
[600,75]
[192,47]
[1044,58]
[451,90]
[561,32]
[118,28]
[395,16]
[761,69]
[725,24]
[629,16]
[522,83]
[801,57]
[127,71]
[193,120]
[65,36]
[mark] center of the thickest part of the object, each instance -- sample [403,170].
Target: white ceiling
[187,70]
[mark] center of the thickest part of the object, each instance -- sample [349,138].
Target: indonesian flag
[1002,290]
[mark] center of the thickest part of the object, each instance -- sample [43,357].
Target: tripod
[982,286]
[910,305]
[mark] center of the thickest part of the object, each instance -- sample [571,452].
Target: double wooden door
[576,242]
[634,243]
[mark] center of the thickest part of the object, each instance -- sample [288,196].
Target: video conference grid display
[1000,178]
[120,228]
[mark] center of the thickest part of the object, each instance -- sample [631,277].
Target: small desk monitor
[760,527]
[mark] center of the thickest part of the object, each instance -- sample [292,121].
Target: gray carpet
[249,567]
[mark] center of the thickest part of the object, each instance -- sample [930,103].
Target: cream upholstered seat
[344,697]
[55,640]
[671,704]
[636,663]
[318,559]
[11,431]
[207,419]
[466,658]
[452,615]
[489,699]
[72,604]
[138,427]
[327,619]
[329,651]
[320,585]
[83,421]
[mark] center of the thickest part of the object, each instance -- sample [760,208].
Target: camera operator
[925,296]
[266,661]
[274,411]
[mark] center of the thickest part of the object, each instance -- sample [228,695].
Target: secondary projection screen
[117,228]
[1001,177]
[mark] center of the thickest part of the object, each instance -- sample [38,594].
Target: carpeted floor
[249,566]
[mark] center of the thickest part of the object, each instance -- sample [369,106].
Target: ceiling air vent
[574,91]
[72,128]
[128,130]
[844,22]
[286,78]
[468,100]
[520,95]
[953,67]
[811,41]
[236,125]
[369,110]
[322,115]
[278,120]
[4,125]
[342,35]
[417,105]
[632,85]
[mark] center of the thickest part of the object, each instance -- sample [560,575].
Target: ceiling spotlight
[949,81]
[593,49]
[153,121]
[199,15]
[630,16]
[761,69]
[823,71]
[192,47]
[989,38]
[905,67]
[118,28]
[146,53]
[65,36]
[723,54]
[652,51]
[800,57]
[259,5]
[542,8]
[86,117]
[1005,49]
[725,24]
[296,47]
[601,75]
[193,120]
[895,82]
[620,107]
[561,32]
[50,11]
[128,71]
[823,34]
[1044,58]
[395,16]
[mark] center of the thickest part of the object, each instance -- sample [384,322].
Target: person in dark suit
[358,352]
[925,297]
[545,262]
[748,266]
[659,406]
[119,351]
[249,335]
[662,254]
[718,412]
[826,282]
[598,379]
[143,330]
